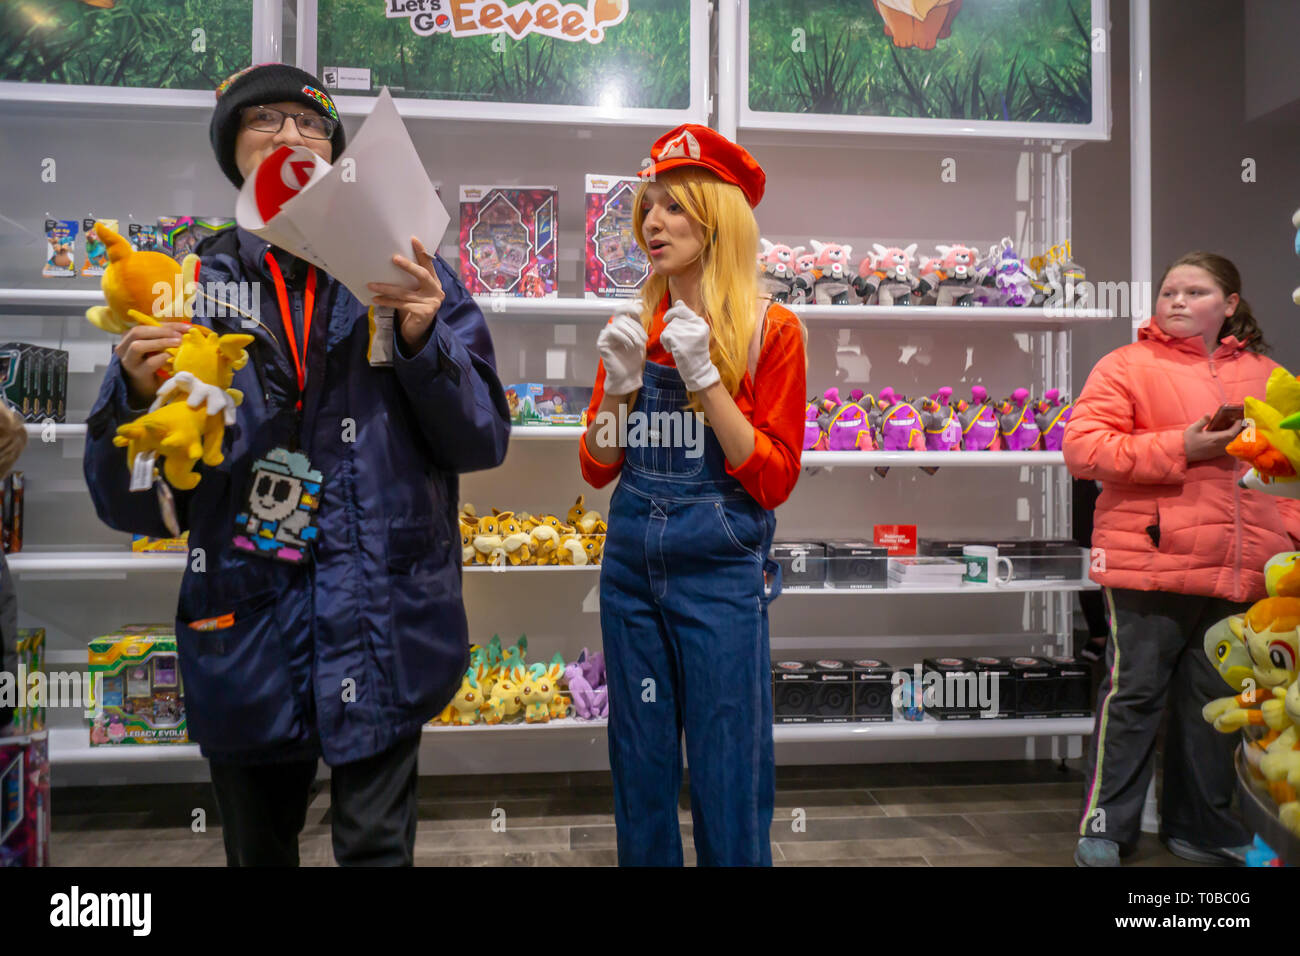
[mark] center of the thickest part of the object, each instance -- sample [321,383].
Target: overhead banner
[153,44]
[999,61]
[624,54]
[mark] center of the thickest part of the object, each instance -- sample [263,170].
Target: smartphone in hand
[1225,418]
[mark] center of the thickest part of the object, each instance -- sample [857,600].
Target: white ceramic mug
[982,565]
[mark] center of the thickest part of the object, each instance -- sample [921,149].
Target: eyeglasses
[267,119]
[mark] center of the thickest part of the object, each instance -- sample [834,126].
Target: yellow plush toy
[141,287]
[187,420]
[1270,629]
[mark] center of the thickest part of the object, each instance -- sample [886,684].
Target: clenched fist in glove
[686,336]
[622,345]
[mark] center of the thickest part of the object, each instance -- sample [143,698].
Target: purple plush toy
[1051,414]
[586,680]
[942,430]
[1016,421]
[847,428]
[979,422]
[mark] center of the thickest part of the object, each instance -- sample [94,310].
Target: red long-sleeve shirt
[773,402]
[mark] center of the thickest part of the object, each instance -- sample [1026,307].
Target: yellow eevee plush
[141,287]
[187,421]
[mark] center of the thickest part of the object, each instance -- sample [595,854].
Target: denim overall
[683,611]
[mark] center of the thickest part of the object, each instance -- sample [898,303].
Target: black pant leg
[1199,779]
[263,809]
[1146,639]
[373,804]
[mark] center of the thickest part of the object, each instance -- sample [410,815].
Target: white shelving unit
[1024,191]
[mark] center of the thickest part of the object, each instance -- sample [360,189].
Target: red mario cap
[694,145]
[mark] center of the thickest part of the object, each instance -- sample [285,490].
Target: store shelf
[71,745]
[560,724]
[71,563]
[898,729]
[61,431]
[927,459]
[75,301]
[930,728]
[546,432]
[1014,586]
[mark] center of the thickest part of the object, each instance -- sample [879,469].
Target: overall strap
[756,343]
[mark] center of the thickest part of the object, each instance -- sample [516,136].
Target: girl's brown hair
[1242,322]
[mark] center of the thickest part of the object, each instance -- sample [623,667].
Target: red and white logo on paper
[281,176]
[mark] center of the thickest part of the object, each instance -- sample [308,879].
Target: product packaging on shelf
[11,512]
[803,563]
[142,236]
[532,403]
[1032,559]
[1073,687]
[873,689]
[31,661]
[616,267]
[508,240]
[955,693]
[178,235]
[136,674]
[142,544]
[60,248]
[1036,687]
[96,256]
[25,800]
[997,672]
[900,539]
[812,692]
[856,565]
[34,380]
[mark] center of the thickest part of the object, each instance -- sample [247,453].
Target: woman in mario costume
[686,580]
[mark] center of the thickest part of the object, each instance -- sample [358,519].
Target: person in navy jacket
[347,654]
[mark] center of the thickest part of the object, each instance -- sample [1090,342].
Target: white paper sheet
[353,216]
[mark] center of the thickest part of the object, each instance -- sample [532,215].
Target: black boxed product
[989,669]
[955,695]
[1035,687]
[1032,559]
[856,565]
[792,692]
[873,688]
[803,563]
[1073,687]
[11,513]
[832,692]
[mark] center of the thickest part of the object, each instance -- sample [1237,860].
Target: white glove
[622,344]
[686,336]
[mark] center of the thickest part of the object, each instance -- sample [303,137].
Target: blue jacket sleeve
[452,383]
[107,476]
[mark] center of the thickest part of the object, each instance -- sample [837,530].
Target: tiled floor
[953,814]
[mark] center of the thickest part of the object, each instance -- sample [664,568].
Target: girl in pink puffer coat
[1177,545]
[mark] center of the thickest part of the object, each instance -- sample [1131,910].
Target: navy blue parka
[349,654]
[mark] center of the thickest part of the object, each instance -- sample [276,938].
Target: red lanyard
[282,296]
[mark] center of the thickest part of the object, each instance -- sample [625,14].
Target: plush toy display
[979,422]
[186,422]
[1051,414]
[955,279]
[942,429]
[847,428]
[830,281]
[507,539]
[1016,422]
[776,270]
[585,678]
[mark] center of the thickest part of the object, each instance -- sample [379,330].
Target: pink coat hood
[1162,523]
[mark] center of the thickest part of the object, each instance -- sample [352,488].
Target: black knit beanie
[256,86]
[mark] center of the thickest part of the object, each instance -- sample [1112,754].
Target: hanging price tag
[142,472]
